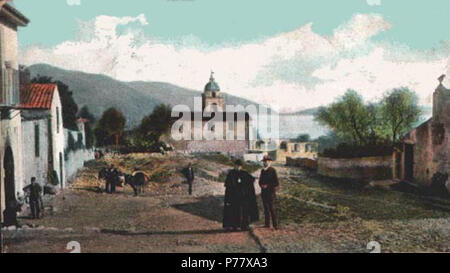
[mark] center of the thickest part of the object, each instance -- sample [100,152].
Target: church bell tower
[212,98]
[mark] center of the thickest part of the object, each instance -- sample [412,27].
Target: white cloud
[293,70]
[374,2]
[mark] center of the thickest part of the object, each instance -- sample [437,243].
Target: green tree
[348,118]
[110,127]
[400,111]
[156,124]
[69,107]
[303,138]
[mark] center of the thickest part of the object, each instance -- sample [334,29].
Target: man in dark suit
[240,208]
[112,179]
[34,191]
[189,174]
[268,181]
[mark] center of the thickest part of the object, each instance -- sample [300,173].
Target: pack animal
[138,181]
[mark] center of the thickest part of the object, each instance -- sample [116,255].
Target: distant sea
[291,126]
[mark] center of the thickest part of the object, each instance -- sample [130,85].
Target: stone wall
[302,163]
[74,160]
[366,168]
[229,147]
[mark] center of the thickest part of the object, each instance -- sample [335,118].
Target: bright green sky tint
[417,23]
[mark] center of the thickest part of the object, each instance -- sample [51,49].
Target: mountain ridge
[134,99]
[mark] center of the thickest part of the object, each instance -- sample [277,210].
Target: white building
[43,133]
[10,117]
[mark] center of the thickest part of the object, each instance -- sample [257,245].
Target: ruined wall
[366,168]
[431,141]
[424,166]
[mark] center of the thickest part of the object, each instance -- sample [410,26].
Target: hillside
[134,99]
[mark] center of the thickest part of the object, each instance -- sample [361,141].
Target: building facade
[425,150]
[293,149]
[10,116]
[43,133]
[231,134]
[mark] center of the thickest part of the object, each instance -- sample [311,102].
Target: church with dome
[235,126]
[212,97]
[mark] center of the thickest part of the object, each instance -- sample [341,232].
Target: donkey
[138,181]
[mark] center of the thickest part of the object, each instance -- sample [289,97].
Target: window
[308,148]
[36,140]
[57,120]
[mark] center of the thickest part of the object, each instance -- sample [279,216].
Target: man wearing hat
[240,208]
[268,181]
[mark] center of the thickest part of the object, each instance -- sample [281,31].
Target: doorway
[61,167]
[409,162]
[10,212]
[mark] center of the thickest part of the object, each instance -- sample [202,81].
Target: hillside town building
[425,150]
[10,116]
[43,132]
[234,127]
[33,140]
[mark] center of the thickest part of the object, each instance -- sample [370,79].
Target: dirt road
[315,216]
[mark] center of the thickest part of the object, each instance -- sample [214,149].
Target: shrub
[345,150]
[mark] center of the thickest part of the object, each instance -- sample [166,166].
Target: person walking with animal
[189,174]
[34,190]
[112,178]
[240,208]
[268,181]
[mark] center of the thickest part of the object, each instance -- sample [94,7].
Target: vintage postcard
[225,126]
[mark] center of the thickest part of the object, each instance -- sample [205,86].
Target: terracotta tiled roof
[37,96]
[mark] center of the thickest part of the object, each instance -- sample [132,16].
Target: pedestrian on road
[189,174]
[240,207]
[34,190]
[268,181]
[112,178]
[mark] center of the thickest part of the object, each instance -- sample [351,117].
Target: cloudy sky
[290,54]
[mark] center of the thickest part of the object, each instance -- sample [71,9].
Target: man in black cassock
[240,208]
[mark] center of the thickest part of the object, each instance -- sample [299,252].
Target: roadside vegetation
[368,129]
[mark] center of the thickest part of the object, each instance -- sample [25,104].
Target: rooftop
[37,96]
[212,84]
[13,15]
